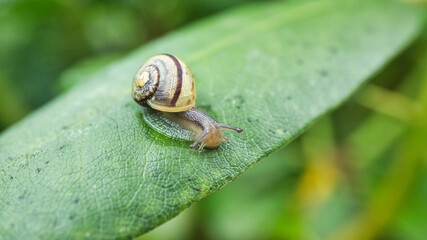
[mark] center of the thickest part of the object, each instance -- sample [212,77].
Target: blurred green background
[40,39]
[359,173]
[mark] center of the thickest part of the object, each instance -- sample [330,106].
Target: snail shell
[165,83]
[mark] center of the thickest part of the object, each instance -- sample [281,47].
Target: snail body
[167,85]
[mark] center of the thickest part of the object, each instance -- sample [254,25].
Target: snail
[165,86]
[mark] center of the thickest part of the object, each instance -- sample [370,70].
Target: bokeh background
[359,173]
[41,39]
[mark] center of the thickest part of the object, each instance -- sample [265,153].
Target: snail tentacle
[202,145]
[194,144]
[225,126]
[226,140]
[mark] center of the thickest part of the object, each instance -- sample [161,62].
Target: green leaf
[87,165]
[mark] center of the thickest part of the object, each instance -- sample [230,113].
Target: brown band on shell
[179,79]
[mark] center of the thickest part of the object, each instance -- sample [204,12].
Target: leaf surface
[87,166]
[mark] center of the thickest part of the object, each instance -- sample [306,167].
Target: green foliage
[86,165]
[41,38]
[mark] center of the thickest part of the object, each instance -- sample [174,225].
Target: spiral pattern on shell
[165,83]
